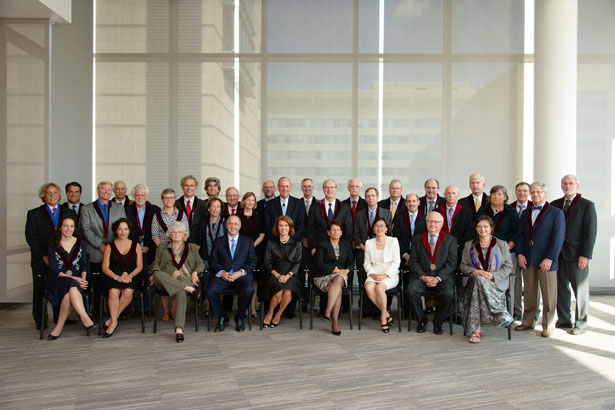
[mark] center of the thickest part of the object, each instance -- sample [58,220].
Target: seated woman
[176,269]
[122,263]
[282,259]
[381,263]
[252,225]
[332,265]
[68,264]
[486,261]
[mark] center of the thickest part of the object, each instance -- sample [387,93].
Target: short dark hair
[522,183]
[381,219]
[336,223]
[74,183]
[485,218]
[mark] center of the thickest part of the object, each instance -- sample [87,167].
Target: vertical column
[555,92]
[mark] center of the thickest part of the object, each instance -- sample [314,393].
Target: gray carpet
[291,368]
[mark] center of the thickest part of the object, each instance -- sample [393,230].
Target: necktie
[520,209]
[106,208]
[537,208]
[450,219]
[566,205]
[354,210]
[412,216]
[283,206]
[372,216]
[330,213]
[393,209]
[188,209]
[233,211]
[233,247]
[307,206]
[476,204]
[432,243]
[53,212]
[430,208]
[75,208]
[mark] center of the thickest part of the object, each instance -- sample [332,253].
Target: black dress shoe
[564,325]
[179,337]
[52,337]
[240,327]
[220,325]
[420,328]
[437,329]
[108,335]
[338,333]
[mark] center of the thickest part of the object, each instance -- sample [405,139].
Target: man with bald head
[268,191]
[458,219]
[433,261]
[120,191]
[432,200]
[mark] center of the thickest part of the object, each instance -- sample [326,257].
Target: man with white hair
[581,227]
[478,200]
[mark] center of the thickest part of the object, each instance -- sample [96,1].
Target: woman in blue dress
[68,265]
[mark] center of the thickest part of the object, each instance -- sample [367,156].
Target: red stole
[443,213]
[99,211]
[179,265]
[529,220]
[124,260]
[574,201]
[407,218]
[48,217]
[338,208]
[135,214]
[426,244]
[68,262]
[484,260]
[180,215]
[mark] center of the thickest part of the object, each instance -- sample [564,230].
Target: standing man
[539,242]
[354,201]
[120,191]
[73,197]
[478,200]
[393,203]
[458,220]
[194,208]
[285,204]
[432,200]
[581,227]
[95,227]
[307,187]
[433,261]
[522,192]
[232,202]
[212,187]
[41,223]
[268,191]
[232,261]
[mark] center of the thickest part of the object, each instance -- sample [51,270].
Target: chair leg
[43,317]
[100,314]
[87,309]
[350,308]
[196,315]
[156,297]
[209,318]
[450,320]
[299,306]
[311,310]
[409,316]
[261,314]
[142,313]
[250,316]
[399,305]
[360,307]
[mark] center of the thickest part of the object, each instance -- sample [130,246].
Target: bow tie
[537,208]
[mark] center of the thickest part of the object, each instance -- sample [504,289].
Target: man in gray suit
[95,226]
[581,227]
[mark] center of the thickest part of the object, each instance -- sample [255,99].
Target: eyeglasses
[189,185]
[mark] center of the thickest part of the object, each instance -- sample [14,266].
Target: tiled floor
[291,368]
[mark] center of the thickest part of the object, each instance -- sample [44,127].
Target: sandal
[385,328]
[475,338]
[274,325]
[266,325]
[390,320]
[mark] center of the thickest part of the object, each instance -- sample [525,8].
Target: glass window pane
[596,27]
[316,26]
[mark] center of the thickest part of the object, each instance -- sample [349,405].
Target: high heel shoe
[52,337]
[385,328]
[390,321]
[336,333]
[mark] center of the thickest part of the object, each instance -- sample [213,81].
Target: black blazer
[386,204]
[132,216]
[326,260]
[315,203]
[283,255]
[402,228]
[463,225]
[220,257]
[581,228]
[506,223]
[446,258]
[362,230]
[317,228]
[199,211]
[361,204]
[468,202]
[39,229]
[294,209]
[423,203]
[67,205]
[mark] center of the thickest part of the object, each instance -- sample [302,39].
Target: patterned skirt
[482,302]
[323,281]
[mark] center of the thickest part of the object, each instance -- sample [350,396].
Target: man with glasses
[194,208]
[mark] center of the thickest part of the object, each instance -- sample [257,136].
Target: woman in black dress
[282,259]
[252,225]
[68,264]
[122,263]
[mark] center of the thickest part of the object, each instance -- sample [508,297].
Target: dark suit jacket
[463,225]
[132,215]
[362,230]
[199,211]
[446,258]
[506,223]
[361,204]
[423,203]
[220,257]
[306,223]
[468,202]
[326,261]
[386,204]
[67,205]
[549,233]
[294,209]
[402,229]
[39,229]
[581,227]
[317,228]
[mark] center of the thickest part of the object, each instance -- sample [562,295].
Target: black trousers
[445,291]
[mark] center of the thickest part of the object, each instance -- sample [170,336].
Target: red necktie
[354,210]
[233,211]
[188,209]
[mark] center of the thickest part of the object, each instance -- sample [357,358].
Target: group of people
[428,243]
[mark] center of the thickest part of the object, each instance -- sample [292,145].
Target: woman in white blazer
[382,268]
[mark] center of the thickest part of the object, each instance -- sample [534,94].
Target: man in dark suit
[458,219]
[539,242]
[354,201]
[522,192]
[326,210]
[432,200]
[307,187]
[581,227]
[232,202]
[268,190]
[285,204]
[194,208]
[433,260]
[73,197]
[120,191]
[478,201]
[41,223]
[394,202]
[232,261]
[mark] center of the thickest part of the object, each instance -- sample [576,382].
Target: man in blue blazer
[539,242]
[284,204]
[232,261]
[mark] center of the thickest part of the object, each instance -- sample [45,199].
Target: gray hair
[476,176]
[540,184]
[395,181]
[328,180]
[139,187]
[196,181]
[213,179]
[355,179]
[43,188]
[177,226]
[101,183]
[438,214]
[571,176]
[501,188]
[167,191]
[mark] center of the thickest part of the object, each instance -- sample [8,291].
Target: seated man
[232,261]
[433,259]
